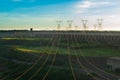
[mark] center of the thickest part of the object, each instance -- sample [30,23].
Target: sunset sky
[43,14]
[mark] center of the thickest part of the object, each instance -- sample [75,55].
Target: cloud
[88,4]
[83,6]
[24,0]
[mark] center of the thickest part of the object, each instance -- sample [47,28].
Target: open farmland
[56,58]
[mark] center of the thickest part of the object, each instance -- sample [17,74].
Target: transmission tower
[70,24]
[95,26]
[100,24]
[76,27]
[58,25]
[84,24]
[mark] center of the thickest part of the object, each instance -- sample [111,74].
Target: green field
[38,45]
[18,54]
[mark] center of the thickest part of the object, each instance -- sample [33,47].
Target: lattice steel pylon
[95,27]
[69,24]
[58,25]
[100,24]
[76,27]
[85,24]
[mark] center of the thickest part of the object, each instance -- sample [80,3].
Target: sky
[43,14]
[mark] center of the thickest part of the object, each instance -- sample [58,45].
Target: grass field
[37,45]
[18,54]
